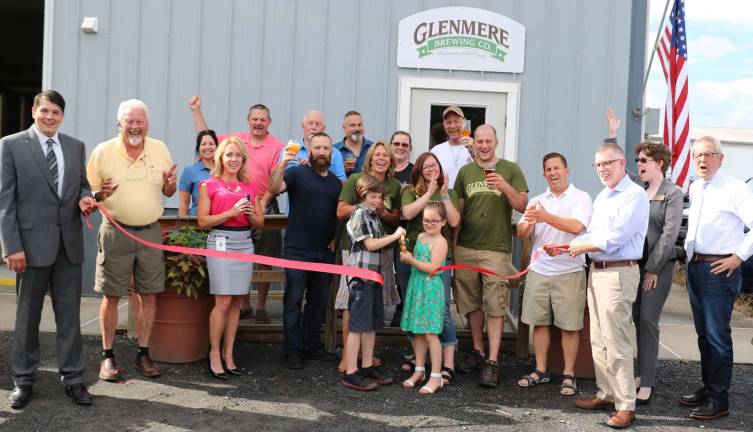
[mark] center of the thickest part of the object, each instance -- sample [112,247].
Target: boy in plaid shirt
[365,301]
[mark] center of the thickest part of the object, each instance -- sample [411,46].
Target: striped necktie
[52,163]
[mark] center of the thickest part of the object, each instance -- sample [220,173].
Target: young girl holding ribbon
[424,306]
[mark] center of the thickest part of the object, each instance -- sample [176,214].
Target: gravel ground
[271,397]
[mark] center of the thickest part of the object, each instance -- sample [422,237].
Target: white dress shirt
[58,149]
[572,203]
[720,209]
[619,223]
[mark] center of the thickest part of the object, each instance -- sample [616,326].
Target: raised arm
[198,117]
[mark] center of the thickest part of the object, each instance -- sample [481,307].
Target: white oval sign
[461,38]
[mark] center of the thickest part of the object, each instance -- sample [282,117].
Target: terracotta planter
[584,364]
[181,328]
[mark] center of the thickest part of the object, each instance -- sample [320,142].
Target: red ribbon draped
[536,255]
[251,258]
[301,265]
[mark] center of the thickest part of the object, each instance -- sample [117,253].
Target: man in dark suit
[43,190]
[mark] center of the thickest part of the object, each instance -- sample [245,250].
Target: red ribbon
[251,258]
[536,255]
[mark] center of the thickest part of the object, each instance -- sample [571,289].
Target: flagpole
[653,52]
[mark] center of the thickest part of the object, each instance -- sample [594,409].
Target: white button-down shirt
[720,209]
[619,223]
[58,149]
[572,203]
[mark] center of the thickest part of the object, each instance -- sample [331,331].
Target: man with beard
[313,192]
[263,153]
[354,145]
[489,190]
[614,242]
[130,173]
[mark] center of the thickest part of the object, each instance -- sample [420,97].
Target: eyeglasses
[705,155]
[430,166]
[642,160]
[605,164]
[400,144]
[432,221]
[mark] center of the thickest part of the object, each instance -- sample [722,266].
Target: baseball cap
[453,109]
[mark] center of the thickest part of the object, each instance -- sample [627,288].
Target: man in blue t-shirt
[354,145]
[313,191]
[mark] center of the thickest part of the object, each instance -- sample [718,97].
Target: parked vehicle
[747,267]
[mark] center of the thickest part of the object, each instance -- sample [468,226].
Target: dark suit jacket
[33,218]
[664,220]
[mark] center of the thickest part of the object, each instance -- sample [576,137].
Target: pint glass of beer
[466,130]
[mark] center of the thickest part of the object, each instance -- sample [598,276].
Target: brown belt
[707,257]
[609,264]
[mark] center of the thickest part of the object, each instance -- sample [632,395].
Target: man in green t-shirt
[488,190]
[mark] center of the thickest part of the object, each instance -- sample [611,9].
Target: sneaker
[293,360]
[472,361]
[490,374]
[373,373]
[261,317]
[320,355]
[247,314]
[356,381]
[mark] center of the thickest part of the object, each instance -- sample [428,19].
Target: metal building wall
[330,55]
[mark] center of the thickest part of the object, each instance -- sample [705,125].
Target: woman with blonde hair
[230,206]
[380,163]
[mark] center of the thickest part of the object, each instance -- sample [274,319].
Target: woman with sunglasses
[429,186]
[658,263]
[401,145]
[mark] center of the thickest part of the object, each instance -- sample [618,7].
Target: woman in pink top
[230,206]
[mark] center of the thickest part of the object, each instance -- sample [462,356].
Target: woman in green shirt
[429,187]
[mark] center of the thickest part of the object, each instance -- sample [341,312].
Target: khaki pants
[611,293]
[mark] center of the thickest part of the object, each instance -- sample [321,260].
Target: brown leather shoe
[594,403]
[108,371]
[621,419]
[147,367]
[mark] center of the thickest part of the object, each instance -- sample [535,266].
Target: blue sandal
[543,378]
[564,385]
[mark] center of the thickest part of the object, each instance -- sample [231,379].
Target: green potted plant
[187,274]
[181,325]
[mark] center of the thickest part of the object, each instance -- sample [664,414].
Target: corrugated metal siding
[329,55]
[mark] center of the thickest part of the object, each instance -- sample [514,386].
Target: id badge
[220,243]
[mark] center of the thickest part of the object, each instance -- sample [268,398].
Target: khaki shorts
[476,290]
[557,300]
[119,257]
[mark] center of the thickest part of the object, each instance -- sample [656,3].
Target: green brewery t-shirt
[486,218]
[348,195]
[415,226]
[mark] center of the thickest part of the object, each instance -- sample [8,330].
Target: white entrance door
[492,102]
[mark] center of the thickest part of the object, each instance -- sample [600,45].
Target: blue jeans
[304,334]
[448,337]
[711,299]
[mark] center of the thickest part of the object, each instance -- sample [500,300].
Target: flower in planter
[186,273]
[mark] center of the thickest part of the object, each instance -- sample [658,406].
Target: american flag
[673,54]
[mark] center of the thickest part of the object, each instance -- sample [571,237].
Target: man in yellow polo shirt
[129,175]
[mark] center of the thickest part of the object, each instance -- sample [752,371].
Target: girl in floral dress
[423,310]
